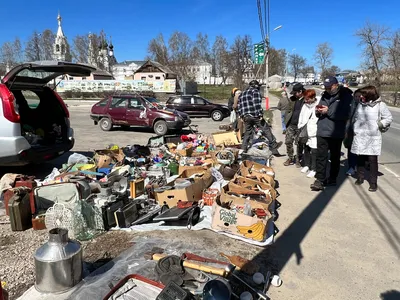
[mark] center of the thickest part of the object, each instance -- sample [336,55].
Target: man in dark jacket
[292,115]
[333,112]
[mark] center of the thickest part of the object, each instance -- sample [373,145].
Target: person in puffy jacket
[371,118]
[309,118]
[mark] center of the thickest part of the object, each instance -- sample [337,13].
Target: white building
[201,72]
[125,70]
[60,46]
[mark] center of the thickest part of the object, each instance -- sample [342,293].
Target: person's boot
[289,162]
[298,164]
[330,182]
[317,186]
[274,148]
[373,187]
[359,181]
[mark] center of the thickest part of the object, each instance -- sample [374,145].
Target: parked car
[34,120]
[199,107]
[135,110]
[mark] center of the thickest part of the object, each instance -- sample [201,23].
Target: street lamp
[266,63]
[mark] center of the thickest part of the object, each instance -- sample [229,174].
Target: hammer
[156,254]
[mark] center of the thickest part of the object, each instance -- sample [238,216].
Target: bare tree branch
[323,57]
[372,38]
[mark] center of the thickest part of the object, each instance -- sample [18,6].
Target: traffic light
[259,53]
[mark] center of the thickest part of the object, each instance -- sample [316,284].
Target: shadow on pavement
[390,295]
[289,241]
[380,219]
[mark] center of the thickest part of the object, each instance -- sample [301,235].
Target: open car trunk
[44,121]
[43,116]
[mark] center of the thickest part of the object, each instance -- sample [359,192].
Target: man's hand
[323,109]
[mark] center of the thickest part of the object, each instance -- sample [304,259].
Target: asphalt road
[390,157]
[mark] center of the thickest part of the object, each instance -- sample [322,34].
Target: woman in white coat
[308,117]
[371,118]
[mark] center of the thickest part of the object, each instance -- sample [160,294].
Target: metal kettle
[58,263]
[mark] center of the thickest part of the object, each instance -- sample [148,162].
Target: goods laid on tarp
[189,181]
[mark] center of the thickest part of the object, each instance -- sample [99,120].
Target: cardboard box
[258,167]
[194,192]
[256,175]
[239,224]
[225,138]
[105,157]
[228,196]
[247,182]
[195,169]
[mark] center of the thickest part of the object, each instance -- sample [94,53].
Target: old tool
[242,263]
[191,256]
[229,271]
[188,264]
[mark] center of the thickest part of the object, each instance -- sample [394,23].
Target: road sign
[259,53]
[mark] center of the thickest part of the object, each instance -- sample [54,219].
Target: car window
[177,101]
[199,101]
[135,103]
[186,100]
[118,102]
[102,103]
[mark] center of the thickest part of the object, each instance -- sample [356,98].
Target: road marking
[391,172]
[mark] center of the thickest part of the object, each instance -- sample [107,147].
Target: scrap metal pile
[177,180]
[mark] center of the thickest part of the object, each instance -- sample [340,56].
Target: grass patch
[215,93]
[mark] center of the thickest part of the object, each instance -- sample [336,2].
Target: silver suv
[34,120]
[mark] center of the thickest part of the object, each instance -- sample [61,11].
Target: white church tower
[60,45]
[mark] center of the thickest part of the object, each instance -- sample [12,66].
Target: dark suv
[197,106]
[135,110]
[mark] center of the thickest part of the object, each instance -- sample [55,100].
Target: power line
[260,18]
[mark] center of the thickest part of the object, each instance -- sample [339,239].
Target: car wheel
[160,127]
[216,115]
[106,124]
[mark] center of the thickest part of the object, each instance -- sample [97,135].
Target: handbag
[303,134]
[233,116]
[382,129]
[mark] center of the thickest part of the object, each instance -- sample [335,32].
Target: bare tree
[241,59]
[158,51]
[221,58]
[80,50]
[47,38]
[277,61]
[33,47]
[323,57]
[332,71]
[297,64]
[201,48]
[181,55]
[11,53]
[372,38]
[394,51]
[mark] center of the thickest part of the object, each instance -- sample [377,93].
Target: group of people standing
[319,127]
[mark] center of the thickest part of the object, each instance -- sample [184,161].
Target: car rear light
[10,109]
[62,104]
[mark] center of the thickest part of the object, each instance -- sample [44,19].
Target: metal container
[58,263]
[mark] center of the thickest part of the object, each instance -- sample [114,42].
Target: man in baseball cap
[333,112]
[292,115]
